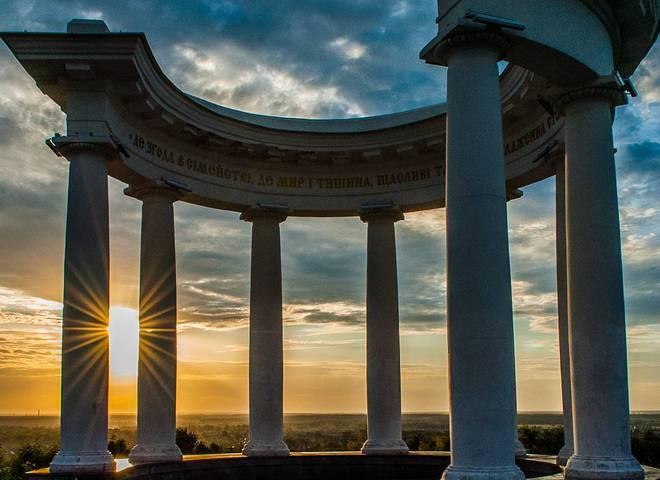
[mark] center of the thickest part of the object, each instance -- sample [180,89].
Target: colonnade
[479,303]
[590,287]
[85,331]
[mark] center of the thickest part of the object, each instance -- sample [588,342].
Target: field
[304,432]
[27,443]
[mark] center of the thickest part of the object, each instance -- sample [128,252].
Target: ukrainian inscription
[531,136]
[423,175]
[217,170]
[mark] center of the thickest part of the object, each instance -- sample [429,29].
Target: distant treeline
[318,437]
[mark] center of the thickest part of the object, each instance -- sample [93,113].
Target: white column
[383,357]
[84,407]
[266,369]
[156,422]
[599,372]
[562,316]
[479,306]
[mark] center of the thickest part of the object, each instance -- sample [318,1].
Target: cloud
[29,332]
[314,59]
[646,76]
[349,49]
[277,44]
[258,88]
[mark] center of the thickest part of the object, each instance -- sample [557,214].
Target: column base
[454,472]
[155,454]
[564,454]
[385,447]
[259,449]
[83,462]
[603,468]
[520,449]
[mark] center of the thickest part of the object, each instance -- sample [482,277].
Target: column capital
[149,189]
[272,214]
[611,93]
[65,146]
[437,51]
[381,215]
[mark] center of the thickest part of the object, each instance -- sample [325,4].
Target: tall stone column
[383,357]
[157,364]
[479,304]
[266,368]
[85,371]
[599,370]
[562,316]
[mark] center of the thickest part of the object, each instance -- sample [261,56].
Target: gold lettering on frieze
[288,182]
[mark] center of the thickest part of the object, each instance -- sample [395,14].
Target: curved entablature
[111,86]
[113,90]
[125,118]
[572,42]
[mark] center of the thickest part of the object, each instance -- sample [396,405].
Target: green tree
[186,440]
[202,448]
[646,446]
[543,440]
[5,472]
[118,447]
[31,457]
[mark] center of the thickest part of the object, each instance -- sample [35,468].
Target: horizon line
[134,414]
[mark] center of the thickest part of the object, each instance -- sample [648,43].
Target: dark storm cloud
[318,58]
[642,299]
[23,213]
[642,158]
[213,265]
[360,56]
[315,315]
[310,40]
[9,131]
[420,256]
[325,260]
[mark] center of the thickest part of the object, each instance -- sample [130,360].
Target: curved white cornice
[113,91]
[111,87]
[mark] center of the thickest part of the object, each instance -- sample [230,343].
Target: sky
[315,59]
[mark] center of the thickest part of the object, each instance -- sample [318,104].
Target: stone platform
[303,466]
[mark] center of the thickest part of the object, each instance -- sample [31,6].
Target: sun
[124,338]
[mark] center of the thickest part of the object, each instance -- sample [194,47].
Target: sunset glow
[355,66]
[124,337]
